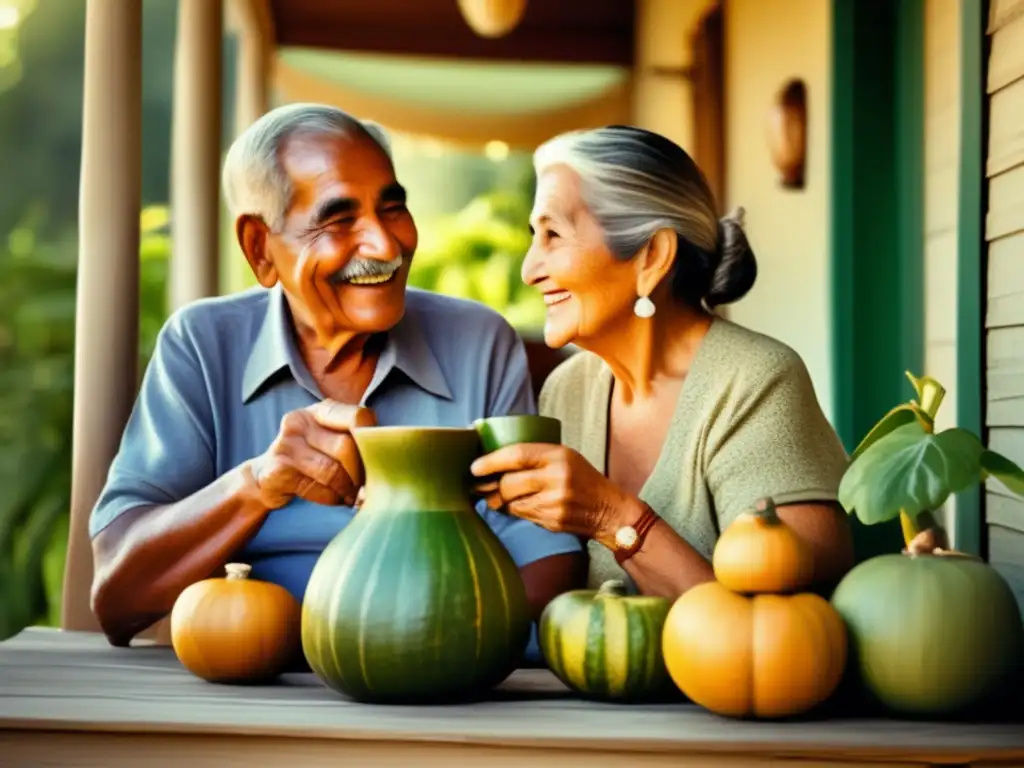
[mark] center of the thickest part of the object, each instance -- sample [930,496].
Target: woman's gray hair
[253,179]
[635,183]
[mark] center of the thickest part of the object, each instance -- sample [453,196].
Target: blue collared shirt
[226,370]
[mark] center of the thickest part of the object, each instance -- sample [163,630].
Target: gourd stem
[237,571]
[765,509]
[912,525]
[908,524]
[612,587]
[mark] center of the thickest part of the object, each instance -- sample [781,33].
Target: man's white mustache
[365,268]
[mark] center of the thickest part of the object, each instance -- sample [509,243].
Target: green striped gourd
[605,644]
[416,600]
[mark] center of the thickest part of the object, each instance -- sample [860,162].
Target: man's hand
[313,456]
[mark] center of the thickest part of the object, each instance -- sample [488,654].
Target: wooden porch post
[252,23]
[107,313]
[252,98]
[195,152]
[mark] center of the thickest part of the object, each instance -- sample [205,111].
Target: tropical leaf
[930,394]
[153,218]
[910,469]
[898,417]
[1005,471]
[37,312]
[53,570]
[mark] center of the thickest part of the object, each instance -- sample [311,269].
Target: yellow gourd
[759,554]
[236,629]
[764,656]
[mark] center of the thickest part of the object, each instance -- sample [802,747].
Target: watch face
[625,537]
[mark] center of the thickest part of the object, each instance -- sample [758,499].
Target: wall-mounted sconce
[492,18]
[787,133]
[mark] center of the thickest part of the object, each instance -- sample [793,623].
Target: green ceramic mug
[499,431]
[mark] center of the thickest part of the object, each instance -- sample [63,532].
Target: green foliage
[902,465]
[41,107]
[477,253]
[37,333]
[910,469]
[1003,470]
[15,12]
[898,417]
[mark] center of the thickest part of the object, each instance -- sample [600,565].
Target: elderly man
[238,444]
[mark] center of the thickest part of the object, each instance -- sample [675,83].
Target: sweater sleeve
[775,441]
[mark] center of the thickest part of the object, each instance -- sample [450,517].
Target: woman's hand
[555,487]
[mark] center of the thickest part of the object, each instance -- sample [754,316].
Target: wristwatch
[629,538]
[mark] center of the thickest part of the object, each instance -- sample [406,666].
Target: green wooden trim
[971,260]
[877,219]
[910,182]
[843,219]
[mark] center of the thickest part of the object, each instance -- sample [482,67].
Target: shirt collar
[407,349]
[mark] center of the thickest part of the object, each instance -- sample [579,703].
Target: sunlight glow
[496,151]
[10,16]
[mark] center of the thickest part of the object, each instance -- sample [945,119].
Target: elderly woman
[674,420]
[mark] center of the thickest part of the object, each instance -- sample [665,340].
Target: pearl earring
[644,307]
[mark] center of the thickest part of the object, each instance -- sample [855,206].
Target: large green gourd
[416,600]
[605,644]
[932,634]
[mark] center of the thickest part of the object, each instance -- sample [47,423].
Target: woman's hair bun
[736,270]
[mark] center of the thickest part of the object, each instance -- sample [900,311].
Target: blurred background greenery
[471,208]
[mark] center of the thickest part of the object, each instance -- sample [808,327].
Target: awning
[466,102]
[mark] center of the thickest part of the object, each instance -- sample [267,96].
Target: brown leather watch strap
[641,526]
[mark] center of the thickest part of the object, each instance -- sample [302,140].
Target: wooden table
[69,699]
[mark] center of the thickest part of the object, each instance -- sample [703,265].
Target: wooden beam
[567,31]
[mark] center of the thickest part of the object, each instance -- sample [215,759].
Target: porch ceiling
[568,31]
[487,88]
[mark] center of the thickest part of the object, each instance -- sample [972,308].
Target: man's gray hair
[253,179]
[635,183]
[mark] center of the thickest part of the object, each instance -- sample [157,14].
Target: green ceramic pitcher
[416,600]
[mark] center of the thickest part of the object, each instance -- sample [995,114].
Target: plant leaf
[910,469]
[899,416]
[1005,471]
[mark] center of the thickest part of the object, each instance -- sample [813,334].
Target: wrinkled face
[343,252]
[586,289]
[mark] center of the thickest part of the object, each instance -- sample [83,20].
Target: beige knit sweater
[747,424]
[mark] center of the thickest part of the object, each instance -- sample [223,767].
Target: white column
[195,152]
[107,314]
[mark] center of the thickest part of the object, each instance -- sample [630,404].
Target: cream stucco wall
[941,205]
[941,157]
[661,94]
[767,43]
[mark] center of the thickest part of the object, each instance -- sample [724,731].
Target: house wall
[1004,317]
[661,92]
[941,203]
[767,43]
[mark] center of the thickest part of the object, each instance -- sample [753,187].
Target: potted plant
[933,631]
